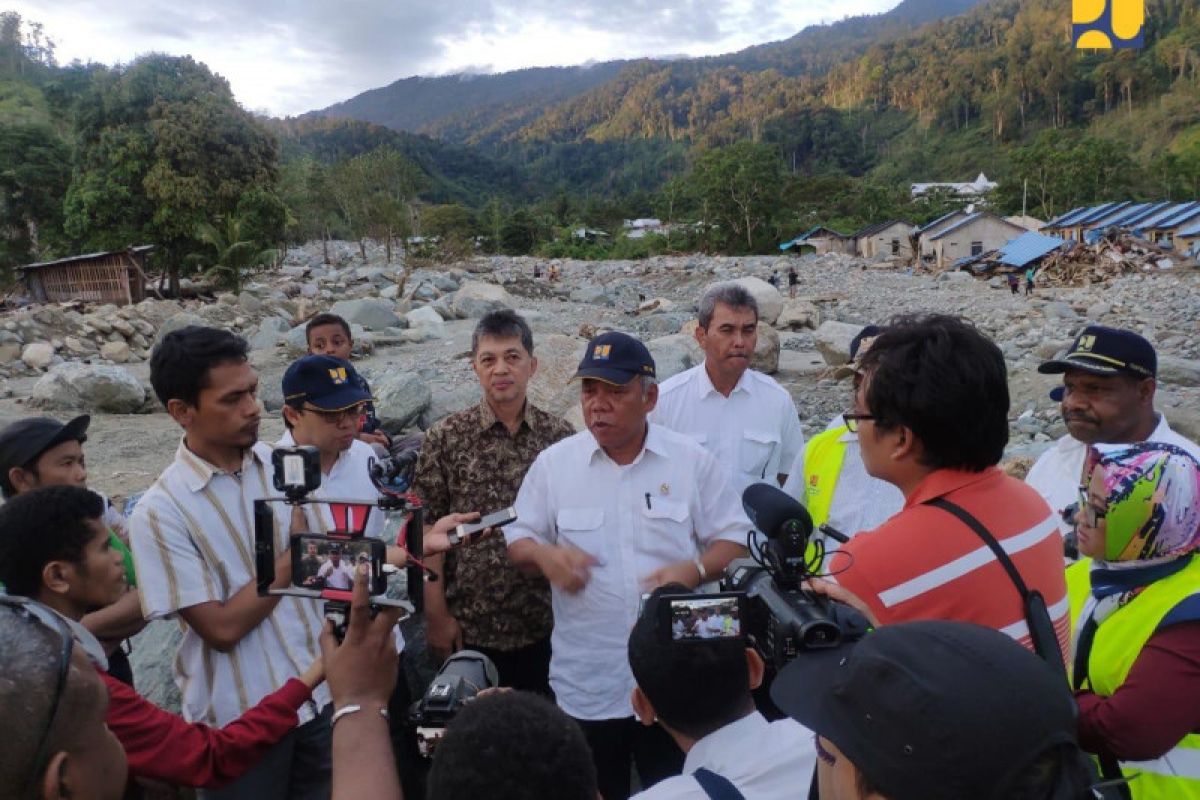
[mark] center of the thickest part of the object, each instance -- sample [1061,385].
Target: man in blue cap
[1107,397]
[607,514]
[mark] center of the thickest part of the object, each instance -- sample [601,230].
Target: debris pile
[1112,255]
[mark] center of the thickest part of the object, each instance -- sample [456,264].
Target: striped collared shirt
[193,542]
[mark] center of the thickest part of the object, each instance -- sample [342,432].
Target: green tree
[34,174]
[740,184]
[231,253]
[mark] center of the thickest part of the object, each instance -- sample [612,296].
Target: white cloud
[291,56]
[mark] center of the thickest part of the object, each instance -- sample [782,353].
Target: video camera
[762,598]
[323,564]
[460,680]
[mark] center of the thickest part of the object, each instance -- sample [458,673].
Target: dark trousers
[618,744]
[526,668]
[119,666]
[409,763]
[298,768]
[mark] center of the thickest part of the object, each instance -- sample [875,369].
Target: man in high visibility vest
[829,476]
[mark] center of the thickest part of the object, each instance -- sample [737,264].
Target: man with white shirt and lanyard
[1107,397]
[606,515]
[700,693]
[741,416]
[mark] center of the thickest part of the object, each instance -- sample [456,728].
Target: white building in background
[975,189]
[638,228]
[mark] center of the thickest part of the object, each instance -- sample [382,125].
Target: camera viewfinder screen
[705,618]
[329,565]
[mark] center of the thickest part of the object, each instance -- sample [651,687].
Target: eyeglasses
[851,419]
[1091,514]
[39,613]
[337,417]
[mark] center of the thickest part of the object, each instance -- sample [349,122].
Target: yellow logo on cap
[1086,342]
[338,374]
[601,351]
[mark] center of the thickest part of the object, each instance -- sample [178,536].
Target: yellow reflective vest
[823,457]
[1116,646]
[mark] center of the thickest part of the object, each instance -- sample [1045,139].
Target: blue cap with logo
[615,358]
[1101,350]
[325,382]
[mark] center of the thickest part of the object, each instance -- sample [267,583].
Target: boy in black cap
[40,451]
[935,710]
[1107,397]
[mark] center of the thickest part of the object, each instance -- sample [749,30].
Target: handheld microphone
[775,513]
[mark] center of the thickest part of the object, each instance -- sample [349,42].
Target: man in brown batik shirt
[475,460]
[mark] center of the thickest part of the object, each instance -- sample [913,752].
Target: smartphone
[493,520]
[327,564]
[687,618]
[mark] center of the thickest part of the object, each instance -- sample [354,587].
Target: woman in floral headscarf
[1135,604]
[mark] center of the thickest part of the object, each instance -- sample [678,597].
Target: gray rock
[673,354]
[833,339]
[390,292]
[89,387]
[770,301]
[1058,310]
[9,351]
[474,299]
[766,350]
[591,295]
[798,314]
[450,401]
[153,661]
[558,358]
[297,341]
[1179,371]
[178,321]
[117,352]
[264,338]
[400,399]
[445,282]
[372,313]
[249,303]
[424,317]
[38,355]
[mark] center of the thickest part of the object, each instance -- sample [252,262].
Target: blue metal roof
[1190,230]
[1132,219]
[1029,247]
[1054,223]
[1170,209]
[1074,217]
[1184,213]
[1117,217]
[1100,212]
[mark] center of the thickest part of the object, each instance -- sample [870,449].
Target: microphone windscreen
[770,508]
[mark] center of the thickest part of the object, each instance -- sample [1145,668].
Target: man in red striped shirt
[932,419]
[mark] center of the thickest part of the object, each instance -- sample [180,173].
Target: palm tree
[230,256]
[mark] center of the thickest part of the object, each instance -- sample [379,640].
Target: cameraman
[932,419]
[700,693]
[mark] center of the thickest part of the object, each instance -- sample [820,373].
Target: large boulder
[269,333]
[372,313]
[797,314]
[833,341]
[38,355]
[592,295]
[153,661]
[177,321]
[450,401]
[426,318]
[89,387]
[673,354]
[474,299]
[558,357]
[400,399]
[1179,371]
[770,301]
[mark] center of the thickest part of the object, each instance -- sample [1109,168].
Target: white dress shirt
[1058,473]
[754,432]
[764,760]
[860,502]
[192,537]
[667,506]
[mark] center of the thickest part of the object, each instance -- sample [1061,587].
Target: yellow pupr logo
[1107,24]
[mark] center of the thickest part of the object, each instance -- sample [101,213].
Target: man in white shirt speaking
[1107,396]
[741,416]
[606,515]
[699,692]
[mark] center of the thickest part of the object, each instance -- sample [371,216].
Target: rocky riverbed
[413,330]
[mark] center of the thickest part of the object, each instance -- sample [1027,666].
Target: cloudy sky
[291,56]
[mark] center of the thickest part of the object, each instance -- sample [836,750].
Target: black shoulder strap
[1037,616]
[717,787]
[969,520]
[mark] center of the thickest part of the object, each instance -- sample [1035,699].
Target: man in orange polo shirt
[932,419]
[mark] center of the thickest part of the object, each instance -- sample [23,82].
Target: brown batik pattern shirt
[470,462]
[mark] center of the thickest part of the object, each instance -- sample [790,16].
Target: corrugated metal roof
[1129,220]
[138,250]
[939,220]
[1168,210]
[1100,212]
[972,218]
[1115,217]
[1180,215]
[1073,217]
[1029,247]
[1054,223]
[1190,230]
[871,230]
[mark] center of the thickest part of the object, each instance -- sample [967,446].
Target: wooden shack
[116,277]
